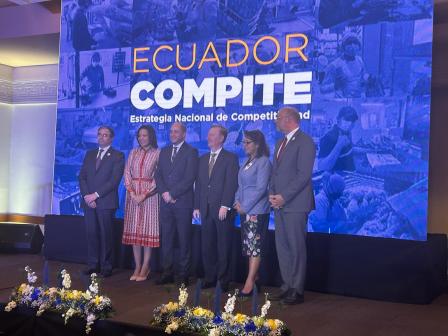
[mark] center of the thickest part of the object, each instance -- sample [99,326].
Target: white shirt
[105,149]
[291,134]
[178,146]
[216,156]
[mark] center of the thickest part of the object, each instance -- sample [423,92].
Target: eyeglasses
[246,142]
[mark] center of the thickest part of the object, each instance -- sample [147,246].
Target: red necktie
[282,147]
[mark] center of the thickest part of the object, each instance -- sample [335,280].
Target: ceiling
[52,5]
[30,50]
[42,47]
[35,45]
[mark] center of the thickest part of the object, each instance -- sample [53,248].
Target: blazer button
[208,186]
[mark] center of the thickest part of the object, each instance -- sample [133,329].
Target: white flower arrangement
[183,296]
[265,308]
[173,326]
[10,306]
[31,276]
[66,281]
[88,305]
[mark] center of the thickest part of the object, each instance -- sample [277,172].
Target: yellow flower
[271,324]
[240,318]
[21,288]
[202,312]
[259,321]
[197,311]
[172,306]
[98,300]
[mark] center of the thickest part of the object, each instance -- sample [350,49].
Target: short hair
[222,130]
[291,112]
[350,39]
[181,125]
[348,113]
[151,134]
[96,57]
[258,138]
[110,129]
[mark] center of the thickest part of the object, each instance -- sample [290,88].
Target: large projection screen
[359,72]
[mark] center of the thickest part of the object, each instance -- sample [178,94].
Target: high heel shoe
[142,278]
[135,275]
[242,294]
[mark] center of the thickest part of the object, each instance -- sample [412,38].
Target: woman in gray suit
[252,202]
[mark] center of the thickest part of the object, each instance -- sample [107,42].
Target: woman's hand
[237,207]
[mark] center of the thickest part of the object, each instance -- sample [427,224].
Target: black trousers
[99,238]
[216,237]
[175,223]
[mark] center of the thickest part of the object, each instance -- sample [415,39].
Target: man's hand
[167,197]
[196,214]
[222,214]
[92,205]
[277,201]
[90,198]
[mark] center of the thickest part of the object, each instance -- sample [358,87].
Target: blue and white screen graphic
[358,71]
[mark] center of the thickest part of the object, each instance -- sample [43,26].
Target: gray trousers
[290,242]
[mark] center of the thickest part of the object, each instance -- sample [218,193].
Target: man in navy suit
[215,188]
[99,178]
[175,176]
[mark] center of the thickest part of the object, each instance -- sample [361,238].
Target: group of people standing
[167,188]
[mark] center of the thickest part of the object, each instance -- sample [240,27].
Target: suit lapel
[105,157]
[179,153]
[289,144]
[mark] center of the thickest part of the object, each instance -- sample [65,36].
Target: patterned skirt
[253,233]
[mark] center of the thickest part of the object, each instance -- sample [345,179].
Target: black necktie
[173,155]
[98,159]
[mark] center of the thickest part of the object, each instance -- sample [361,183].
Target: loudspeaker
[20,238]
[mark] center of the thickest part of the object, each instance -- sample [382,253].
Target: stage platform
[321,314]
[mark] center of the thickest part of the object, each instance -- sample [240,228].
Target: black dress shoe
[208,284]
[90,270]
[279,295]
[293,298]
[165,279]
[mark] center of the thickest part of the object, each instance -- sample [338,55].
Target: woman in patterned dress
[141,220]
[252,203]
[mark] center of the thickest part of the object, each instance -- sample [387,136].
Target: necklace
[249,163]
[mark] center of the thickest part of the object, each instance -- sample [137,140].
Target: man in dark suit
[175,176]
[291,196]
[100,175]
[215,188]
